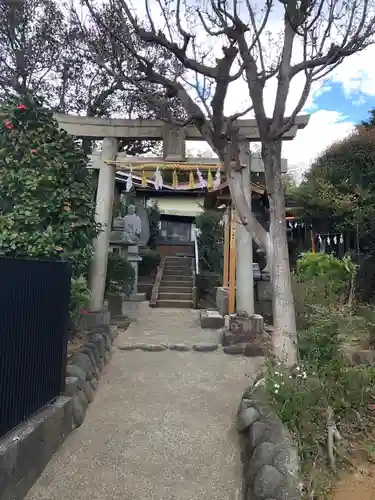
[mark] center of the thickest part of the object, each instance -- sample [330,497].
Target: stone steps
[179,304]
[187,280]
[176,286]
[175,296]
[163,288]
[177,272]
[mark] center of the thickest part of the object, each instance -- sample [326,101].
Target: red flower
[21,106]
[8,124]
[84,312]
[32,150]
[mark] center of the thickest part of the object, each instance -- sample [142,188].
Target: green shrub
[120,276]
[323,388]
[307,401]
[319,345]
[210,241]
[332,276]
[150,262]
[79,300]
[312,265]
[47,206]
[206,283]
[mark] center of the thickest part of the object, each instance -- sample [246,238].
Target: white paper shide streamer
[202,181]
[158,179]
[129,181]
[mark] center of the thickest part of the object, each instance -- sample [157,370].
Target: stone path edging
[85,367]
[248,350]
[270,459]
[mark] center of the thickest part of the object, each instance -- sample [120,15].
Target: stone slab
[222,300]
[211,319]
[25,452]
[137,297]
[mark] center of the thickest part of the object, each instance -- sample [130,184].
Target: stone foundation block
[222,300]
[243,329]
[211,319]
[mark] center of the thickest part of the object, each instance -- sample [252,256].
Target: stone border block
[179,347]
[269,456]
[25,451]
[130,347]
[86,365]
[153,347]
[211,319]
[205,347]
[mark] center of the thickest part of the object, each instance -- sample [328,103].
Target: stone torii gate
[110,130]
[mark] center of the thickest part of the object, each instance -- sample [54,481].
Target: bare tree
[30,35]
[318,33]
[43,53]
[82,87]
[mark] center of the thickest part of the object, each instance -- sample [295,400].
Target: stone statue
[132,224]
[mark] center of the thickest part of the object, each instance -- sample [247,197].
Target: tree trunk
[285,336]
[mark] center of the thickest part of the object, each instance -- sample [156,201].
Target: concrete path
[162,424]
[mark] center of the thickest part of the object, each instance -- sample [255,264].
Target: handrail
[155,288]
[196,253]
[195,272]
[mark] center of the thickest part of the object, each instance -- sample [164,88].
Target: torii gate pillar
[244,247]
[103,216]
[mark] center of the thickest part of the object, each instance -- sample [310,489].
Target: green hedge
[150,261]
[120,275]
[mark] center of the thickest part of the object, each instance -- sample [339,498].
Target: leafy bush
[150,262]
[319,345]
[120,276]
[303,397]
[323,393]
[210,241]
[79,300]
[320,396]
[206,282]
[46,195]
[334,277]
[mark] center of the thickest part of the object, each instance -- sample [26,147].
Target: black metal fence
[34,308]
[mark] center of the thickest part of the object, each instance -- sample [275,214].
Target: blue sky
[335,107]
[354,107]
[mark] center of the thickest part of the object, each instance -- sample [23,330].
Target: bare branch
[258,31]
[208,30]
[149,17]
[237,116]
[186,36]
[160,39]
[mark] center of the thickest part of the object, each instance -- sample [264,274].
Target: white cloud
[324,128]
[357,73]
